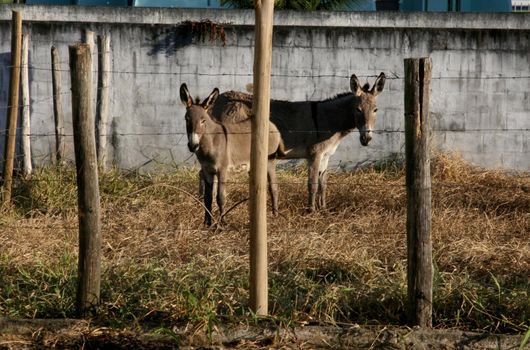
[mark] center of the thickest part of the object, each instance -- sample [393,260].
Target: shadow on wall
[170,40]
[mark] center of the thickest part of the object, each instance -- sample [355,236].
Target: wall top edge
[172,16]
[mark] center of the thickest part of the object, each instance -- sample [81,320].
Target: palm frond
[325,5]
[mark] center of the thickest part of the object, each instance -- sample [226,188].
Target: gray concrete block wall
[476,110]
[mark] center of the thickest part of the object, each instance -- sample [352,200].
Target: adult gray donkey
[313,129]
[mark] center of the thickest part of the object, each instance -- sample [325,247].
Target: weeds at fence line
[342,266]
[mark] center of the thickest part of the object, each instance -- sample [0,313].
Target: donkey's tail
[280,151]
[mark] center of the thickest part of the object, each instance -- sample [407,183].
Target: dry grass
[344,265]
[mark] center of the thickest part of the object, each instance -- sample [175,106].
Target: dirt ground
[78,334]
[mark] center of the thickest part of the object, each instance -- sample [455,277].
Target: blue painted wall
[49,2]
[359,5]
[457,5]
[178,3]
[102,2]
[78,2]
[139,3]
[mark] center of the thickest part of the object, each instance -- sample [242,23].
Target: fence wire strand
[392,76]
[46,67]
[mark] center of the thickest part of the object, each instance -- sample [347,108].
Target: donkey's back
[238,136]
[290,121]
[234,110]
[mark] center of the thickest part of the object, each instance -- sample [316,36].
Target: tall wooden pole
[12,111]
[102,106]
[89,267]
[258,157]
[418,180]
[26,124]
[88,38]
[57,106]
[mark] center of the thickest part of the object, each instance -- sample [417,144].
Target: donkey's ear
[185,96]
[210,100]
[379,84]
[355,86]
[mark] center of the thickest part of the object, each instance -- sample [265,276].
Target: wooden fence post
[57,106]
[258,157]
[89,268]
[102,106]
[12,104]
[88,38]
[26,124]
[418,180]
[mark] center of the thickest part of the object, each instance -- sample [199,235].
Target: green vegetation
[327,5]
[343,266]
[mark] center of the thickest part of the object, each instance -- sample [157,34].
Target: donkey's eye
[203,121]
[375,110]
[358,109]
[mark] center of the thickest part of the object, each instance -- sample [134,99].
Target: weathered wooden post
[26,123]
[57,106]
[12,104]
[88,38]
[89,267]
[102,106]
[418,180]
[258,157]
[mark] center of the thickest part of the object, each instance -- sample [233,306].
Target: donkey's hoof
[218,226]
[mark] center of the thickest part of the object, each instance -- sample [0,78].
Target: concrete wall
[480,90]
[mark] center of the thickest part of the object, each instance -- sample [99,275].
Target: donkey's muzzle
[193,147]
[365,139]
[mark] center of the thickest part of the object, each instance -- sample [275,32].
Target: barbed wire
[392,76]
[435,186]
[229,228]
[399,184]
[320,132]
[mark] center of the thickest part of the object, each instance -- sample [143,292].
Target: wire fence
[243,230]
[392,76]
[181,134]
[353,184]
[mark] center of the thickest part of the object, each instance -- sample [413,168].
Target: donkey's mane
[366,88]
[247,98]
[342,94]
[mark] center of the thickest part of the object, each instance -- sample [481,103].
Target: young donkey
[314,129]
[219,147]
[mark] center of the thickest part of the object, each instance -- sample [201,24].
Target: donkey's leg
[201,184]
[322,186]
[221,192]
[312,182]
[208,197]
[322,181]
[273,185]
